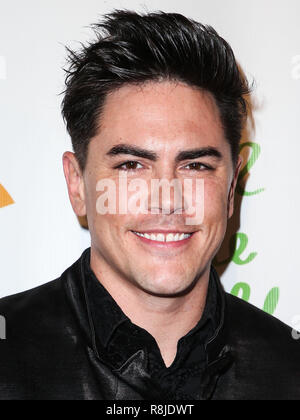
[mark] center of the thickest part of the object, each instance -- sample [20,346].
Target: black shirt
[53,353]
[120,339]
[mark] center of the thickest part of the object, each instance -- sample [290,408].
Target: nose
[165,192]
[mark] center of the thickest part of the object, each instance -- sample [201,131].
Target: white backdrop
[39,234]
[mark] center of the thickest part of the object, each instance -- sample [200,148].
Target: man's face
[164,119]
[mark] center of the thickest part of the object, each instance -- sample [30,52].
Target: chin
[167,289]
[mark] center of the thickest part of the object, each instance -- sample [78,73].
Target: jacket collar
[218,353]
[113,327]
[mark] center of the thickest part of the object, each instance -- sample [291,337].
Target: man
[142,314]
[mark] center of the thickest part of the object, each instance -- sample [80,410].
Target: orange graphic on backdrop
[5,198]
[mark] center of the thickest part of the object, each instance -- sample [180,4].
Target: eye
[130,165]
[198,166]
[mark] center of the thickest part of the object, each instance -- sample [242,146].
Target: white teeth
[170,237]
[139,234]
[160,237]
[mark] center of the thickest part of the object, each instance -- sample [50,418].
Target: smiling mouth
[164,238]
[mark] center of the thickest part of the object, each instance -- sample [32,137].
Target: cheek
[107,233]
[215,202]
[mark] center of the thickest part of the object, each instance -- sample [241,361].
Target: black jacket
[50,352]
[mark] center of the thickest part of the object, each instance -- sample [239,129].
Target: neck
[167,319]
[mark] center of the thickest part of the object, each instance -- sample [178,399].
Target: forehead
[161,115]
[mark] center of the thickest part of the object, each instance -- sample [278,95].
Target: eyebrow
[199,153]
[126,149]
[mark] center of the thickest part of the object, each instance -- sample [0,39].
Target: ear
[233,187]
[75,183]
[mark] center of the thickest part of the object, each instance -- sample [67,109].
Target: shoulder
[33,321]
[44,314]
[38,342]
[265,357]
[254,332]
[252,320]
[33,305]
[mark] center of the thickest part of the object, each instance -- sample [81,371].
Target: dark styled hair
[137,48]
